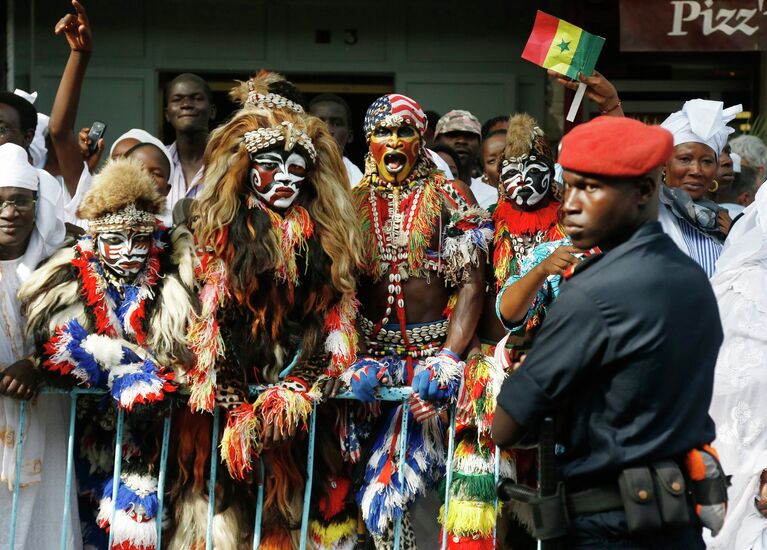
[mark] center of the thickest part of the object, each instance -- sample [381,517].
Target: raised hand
[598,89]
[92,159]
[76,28]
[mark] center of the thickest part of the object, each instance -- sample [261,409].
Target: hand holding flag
[599,90]
[564,48]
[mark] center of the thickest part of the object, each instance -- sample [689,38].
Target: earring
[714,187]
[663,176]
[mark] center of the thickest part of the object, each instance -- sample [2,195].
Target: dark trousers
[608,530]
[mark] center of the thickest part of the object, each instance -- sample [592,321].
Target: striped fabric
[420,409]
[394,107]
[700,247]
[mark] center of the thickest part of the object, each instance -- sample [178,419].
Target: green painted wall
[447,54]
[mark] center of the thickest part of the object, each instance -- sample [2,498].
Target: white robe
[43,473]
[43,465]
[739,403]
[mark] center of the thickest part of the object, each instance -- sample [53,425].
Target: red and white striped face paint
[124,252]
[277,176]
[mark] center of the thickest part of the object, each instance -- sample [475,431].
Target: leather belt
[593,501]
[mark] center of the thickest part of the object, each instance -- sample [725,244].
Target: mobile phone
[95,133]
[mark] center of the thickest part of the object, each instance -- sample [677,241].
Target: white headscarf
[37,149]
[702,121]
[49,230]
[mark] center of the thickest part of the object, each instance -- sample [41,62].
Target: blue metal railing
[385,394]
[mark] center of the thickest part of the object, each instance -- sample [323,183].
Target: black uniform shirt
[625,359]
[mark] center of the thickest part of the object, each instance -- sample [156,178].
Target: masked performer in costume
[111,312]
[527,213]
[277,307]
[527,231]
[425,245]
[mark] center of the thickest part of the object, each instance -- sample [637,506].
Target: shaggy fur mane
[120,183]
[244,239]
[522,133]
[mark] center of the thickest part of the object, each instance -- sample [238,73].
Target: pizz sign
[693,25]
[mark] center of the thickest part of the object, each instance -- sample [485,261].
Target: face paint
[124,252]
[395,151]
[526,183]
[277,176]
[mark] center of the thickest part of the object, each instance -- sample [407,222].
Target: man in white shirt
[189,108]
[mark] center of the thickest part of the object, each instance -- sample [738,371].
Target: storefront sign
[693,25]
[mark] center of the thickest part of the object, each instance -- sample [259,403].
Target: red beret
[615,147]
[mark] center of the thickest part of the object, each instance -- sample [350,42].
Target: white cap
[15,170]
[736,161]
[702,121]
[143,136]
[26,95]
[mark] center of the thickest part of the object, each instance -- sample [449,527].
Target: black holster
[550,518]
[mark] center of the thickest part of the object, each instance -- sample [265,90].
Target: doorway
[358,90]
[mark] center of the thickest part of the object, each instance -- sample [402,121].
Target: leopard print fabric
[406,540]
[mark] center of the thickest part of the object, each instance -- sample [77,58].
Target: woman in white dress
[30,230]
[739,406]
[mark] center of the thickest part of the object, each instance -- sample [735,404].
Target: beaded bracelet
[611,109]
[450,353]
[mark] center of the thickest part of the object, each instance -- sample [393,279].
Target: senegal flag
[558,45]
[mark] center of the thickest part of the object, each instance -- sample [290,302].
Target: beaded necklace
[392,241]
[402,222]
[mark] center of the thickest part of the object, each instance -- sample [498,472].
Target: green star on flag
[558,45]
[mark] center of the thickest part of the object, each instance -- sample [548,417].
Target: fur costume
[127,336]
[277,293]
[421,227]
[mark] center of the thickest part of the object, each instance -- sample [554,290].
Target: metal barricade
[385,394]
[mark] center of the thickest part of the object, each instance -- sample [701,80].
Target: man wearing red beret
[624,361]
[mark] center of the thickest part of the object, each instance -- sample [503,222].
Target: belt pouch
[672,493]
[550,518]
[639,500]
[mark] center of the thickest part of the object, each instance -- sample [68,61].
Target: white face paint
[276,177]
[124,252]
[526,183]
